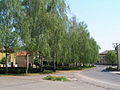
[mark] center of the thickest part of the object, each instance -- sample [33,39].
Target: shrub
[2,71]
[19,70]
[46,72]
[34,70]
[111,58]
[111,69]
[56,78]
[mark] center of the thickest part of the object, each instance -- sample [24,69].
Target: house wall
[11,57]
[102,59]
[21,61]
[2,55]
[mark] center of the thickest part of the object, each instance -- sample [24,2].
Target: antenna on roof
[115,44]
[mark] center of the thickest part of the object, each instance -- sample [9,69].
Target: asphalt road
[92,79]
[36,83]
[98,76]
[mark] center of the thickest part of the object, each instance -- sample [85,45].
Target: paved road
[85,81]
[101,78]
[99,74]
[36,83]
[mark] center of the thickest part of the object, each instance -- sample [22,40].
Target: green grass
[75,68]
[82,68]
[47,72]
[55,78]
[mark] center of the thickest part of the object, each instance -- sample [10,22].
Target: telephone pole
[117,49]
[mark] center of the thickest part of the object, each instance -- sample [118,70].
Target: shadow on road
[104,70]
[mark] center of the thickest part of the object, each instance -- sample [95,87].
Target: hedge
[19,70]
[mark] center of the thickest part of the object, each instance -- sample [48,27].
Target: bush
[56,78]
[111,58]
[3,60]
[2,71]
[74,68]
[46,72]
[19,70]
[12,71]
[111,69]
[63,68]
[34,70]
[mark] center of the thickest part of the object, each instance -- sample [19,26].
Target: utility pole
[117,49]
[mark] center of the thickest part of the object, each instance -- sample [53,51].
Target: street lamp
[117,49]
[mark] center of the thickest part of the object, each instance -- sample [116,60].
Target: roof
[105,52]
[21,53]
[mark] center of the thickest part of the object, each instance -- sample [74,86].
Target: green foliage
[111,69]
[42,28]
[12,71]
[9,14]
[111,57]
[9,11]
[56,78]
[74,68]
[21,70]
[3,60]
[46,72]
[36,62]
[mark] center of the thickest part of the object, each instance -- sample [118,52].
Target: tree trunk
[83,65]
[27,63]
[42,64]
[76,64]
[54,65]
[6,63]
[63,65]
[80,64]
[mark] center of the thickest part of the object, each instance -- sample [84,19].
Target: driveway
[85,81]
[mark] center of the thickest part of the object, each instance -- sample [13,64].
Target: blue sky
[102,18]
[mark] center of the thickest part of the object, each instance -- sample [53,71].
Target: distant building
[102,56]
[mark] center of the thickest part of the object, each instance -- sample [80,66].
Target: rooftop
[105,52]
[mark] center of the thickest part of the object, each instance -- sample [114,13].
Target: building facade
[102,56]
[21,59]
[11,59]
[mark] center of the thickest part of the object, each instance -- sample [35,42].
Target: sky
[102,18]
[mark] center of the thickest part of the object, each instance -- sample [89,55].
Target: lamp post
[117,49]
